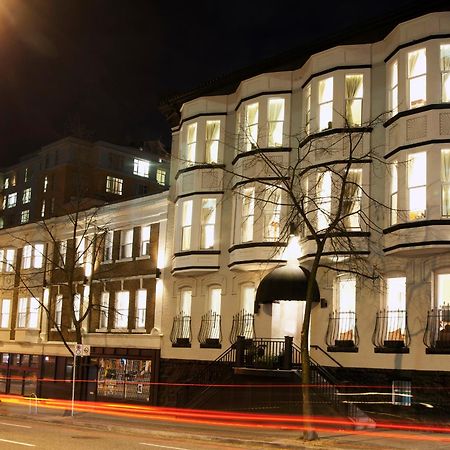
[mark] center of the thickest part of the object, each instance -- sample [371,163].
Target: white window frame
[415,188]
[145,240]
[122,310]
[307,96]
[393,200]
[251,126]
[415,79]
[114,185]
[393,88]
[58,310]
[247,214]
[186,224]
[9,259]
[272,213]
[28,313]
[12,200]
[324,186]
[325,103]
[5,313]
[108,246]
[354,99]
[445,182]
[141,308]
[212,141]
[445,72]
[275,126]
[191,144]
[126,243]
[161,177]
[141,167]
[26,196]
[104,310]
[208,222]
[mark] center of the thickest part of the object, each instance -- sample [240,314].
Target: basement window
[401,392]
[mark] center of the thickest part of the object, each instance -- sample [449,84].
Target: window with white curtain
[185,302]
[308,109]
[275,121]
[186,224]
[445,72]
[417,78]
[393,88]
[208,222]
[326,103]
[215,299]
[126,243]
[5,313]
[212,141]
[141,308]
[248,298]
[393,204]
[27,312]
[353,99]
[58,310]
[145,241]
[121,309]
[323,200]
[251,126]
[351,205]
[272,213]
[33,256]
[445,180]
[346,306]
[417,185]
[191,144]
[104,310]
[442,290]
[248,214]
[396,294]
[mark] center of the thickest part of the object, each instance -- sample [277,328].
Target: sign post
[79,350]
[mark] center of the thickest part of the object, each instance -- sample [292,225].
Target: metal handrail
[318,347]
[342,330]
[437,331]
[32,397]
[391,329]
[210,328]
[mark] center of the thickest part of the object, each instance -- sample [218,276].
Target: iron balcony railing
[391,330]
[342,332]
[181,333]
[437,332]
[243,325]
[210,334]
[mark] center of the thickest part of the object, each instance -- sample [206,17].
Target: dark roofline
[370,31]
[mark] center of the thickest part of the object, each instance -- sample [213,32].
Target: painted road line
[164,446]
[14,425]
[18,443]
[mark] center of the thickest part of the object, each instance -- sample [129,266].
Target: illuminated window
[126,243]
[114,185]
[77,306]
[108,246]
[185,302]
[80,251]
[141,167]
[62,247]
[25,175]
[26,256]
[394,193]
[26,197]
[212,141]
[122,307]
[445,180]
[5,312]
[353,99]
[208,222]
[45,183]
[248,298]
[326,103]
[43,209]
[396,304]
[346,307]
[141,307]
[417,78]
[145,240]
[215,298]
[272,214]
[186,225]
[25,216]
[248,214]
[445,72]
[4,202]
[12,200]
[6,183]
[191,143]
[417,189]
[161,176]
[251,126]
[275,116]
[308,109]
[443,290]
[58,310]
[28,312]
[324,200]
[9,255]
[351,205]
[393,88]
[104,310]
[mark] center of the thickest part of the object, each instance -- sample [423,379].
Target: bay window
[212,141]
[323,200]
[445,72]
[393,201]
[186,225]
[417,189]
[353,99]
[308,109]
[141,307]
[251,126]
[396,308]
[121,310]
[393,88]
[445,180]
[272,214]
[443,291]
[248,214]
[417,78]
[326,103]
[208,222]
[346,307]
[351,204]
[275,122]
[191,143]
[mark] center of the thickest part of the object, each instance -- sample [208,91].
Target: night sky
[102,66]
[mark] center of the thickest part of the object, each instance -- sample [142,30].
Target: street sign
[82,350]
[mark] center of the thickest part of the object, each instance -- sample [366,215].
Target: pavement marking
[18,443]
[14,425]
[163,446]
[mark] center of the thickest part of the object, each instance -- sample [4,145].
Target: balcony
[243,325]
[391,334]
[181,333]
[437,332]
[342,332]
[253,255]
[195,262]
[210,334]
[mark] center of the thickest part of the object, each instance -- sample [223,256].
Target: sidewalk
[375,439]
